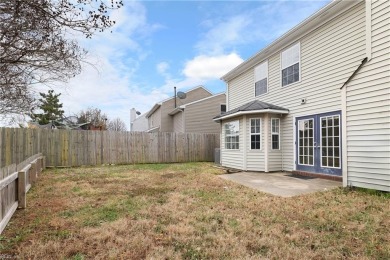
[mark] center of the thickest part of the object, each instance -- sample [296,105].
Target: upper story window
[290,64]
[261,79]
[223,108]
[255,133]
[232,135]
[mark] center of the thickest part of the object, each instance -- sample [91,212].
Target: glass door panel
[318,143]
[306,141]
[330,141]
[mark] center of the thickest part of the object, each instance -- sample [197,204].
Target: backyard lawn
[185,211]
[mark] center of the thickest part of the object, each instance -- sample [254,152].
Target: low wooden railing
[15,182]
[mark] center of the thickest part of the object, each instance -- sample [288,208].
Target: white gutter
[152,129]
[176,110]
[263,111]
[154,108]
[320,17]
[203,99]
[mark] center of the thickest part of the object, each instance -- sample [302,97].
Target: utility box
[217,156]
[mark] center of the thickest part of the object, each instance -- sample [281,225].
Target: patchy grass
[185,211]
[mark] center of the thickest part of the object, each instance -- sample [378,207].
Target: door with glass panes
[318,143]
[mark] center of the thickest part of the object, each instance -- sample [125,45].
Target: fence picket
[77,148]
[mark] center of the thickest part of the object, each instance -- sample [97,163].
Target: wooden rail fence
[76,148]
[15,182]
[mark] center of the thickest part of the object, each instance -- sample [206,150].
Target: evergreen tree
[50,106]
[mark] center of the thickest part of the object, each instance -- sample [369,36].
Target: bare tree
[35,47]
[94,116]
[116,124]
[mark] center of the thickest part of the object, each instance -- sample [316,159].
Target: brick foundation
[319,175]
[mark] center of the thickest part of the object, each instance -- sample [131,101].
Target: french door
[318,143]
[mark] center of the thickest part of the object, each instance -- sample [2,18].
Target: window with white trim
[223,108]
[275,133]
[290,65]
[261,79]
[232,135]
[255,133]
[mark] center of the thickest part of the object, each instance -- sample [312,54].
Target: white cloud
[224,33]
[205,67]
[162,67]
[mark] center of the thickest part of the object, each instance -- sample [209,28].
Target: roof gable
[317,19]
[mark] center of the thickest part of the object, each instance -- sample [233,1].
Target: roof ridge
[248,105]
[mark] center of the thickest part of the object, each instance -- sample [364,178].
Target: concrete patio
[282,184]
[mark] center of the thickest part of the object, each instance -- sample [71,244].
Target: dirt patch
[171,175]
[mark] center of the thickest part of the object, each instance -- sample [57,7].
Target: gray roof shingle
[255,105]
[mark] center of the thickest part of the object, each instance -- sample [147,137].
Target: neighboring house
[165,117]
[138,124]
[197,116]
[317,100]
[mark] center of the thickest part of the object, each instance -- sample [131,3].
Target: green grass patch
[372,192]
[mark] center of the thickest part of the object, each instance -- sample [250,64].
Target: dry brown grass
[185,211]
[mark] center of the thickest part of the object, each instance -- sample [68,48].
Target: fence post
[39,165]
[21,190]
[43,163]
[33,172]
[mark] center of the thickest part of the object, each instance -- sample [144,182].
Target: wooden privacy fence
[76,148]
[15,182]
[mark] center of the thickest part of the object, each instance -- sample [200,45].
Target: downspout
[244,146]
[220,143]
[355,72]
[175,96]
[344,124]
[280,140]
[368,29]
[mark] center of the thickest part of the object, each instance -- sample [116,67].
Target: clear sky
[156,45]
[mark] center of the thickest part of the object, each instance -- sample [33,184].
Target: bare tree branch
[35,49]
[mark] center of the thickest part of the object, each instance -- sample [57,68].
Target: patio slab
[282,184]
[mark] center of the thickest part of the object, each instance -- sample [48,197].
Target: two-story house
[316,101]
[192,114]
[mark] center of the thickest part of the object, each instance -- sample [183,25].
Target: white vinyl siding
[232,158]
[178,123]
[329,55]
[368,110]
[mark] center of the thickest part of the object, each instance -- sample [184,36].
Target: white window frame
[250,134]
[333,116]
[299,64]
[232,135]
[255,80]
[221,107]
[299,154]
[275,133]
